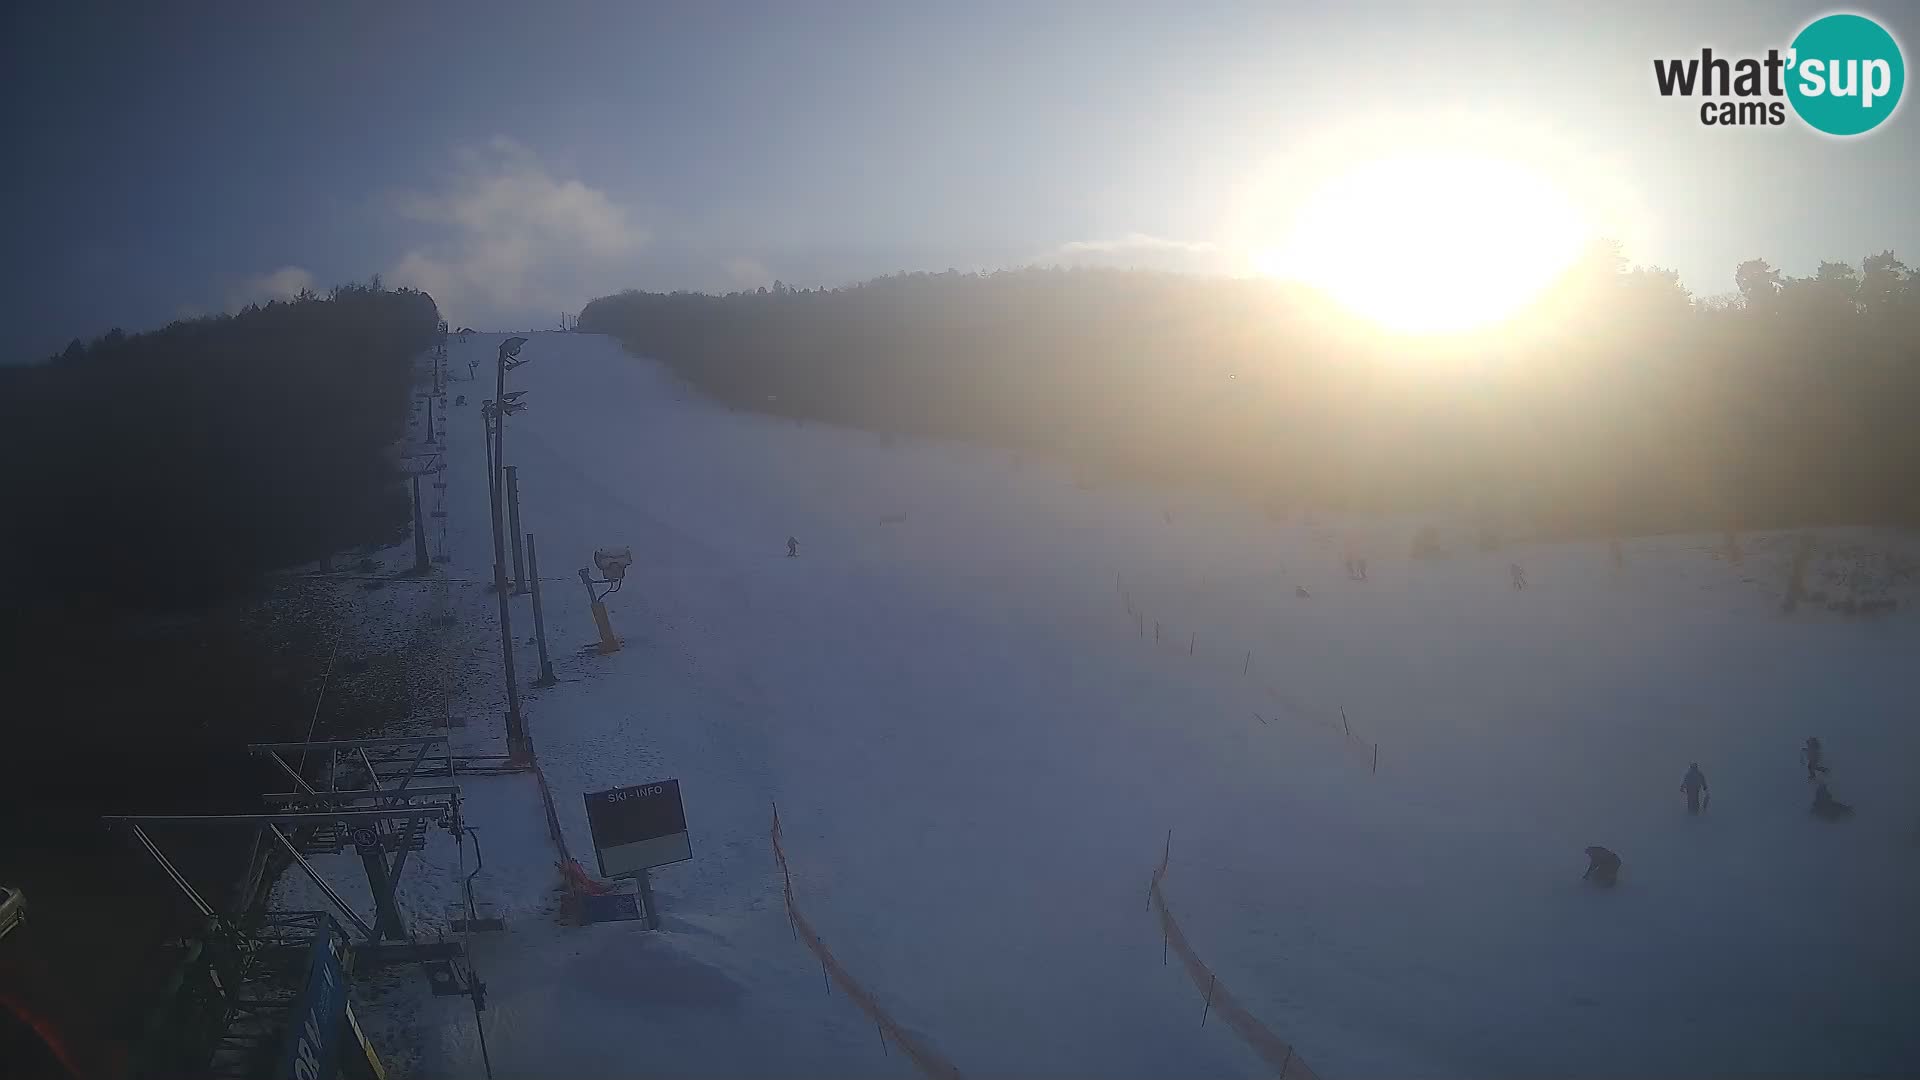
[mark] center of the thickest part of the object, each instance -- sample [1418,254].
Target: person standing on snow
[1695,785]
[793,547]
[1813,756]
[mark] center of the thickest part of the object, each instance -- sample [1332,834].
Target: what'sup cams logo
[1842,75]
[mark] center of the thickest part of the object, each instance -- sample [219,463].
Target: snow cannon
[613,563]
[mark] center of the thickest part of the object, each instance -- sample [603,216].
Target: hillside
[982,695]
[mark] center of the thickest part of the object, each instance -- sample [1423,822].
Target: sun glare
[1431,244]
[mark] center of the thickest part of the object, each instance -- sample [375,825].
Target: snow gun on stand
[613,563]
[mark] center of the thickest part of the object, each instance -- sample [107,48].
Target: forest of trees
[1615,403]
[175,467]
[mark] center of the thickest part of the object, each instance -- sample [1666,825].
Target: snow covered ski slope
[982,697]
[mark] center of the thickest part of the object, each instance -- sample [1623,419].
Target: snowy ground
[977,753]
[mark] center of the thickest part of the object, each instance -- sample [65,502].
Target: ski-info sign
[638,827]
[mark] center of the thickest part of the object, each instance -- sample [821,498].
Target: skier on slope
[1603,867]
[1814,758]
[793,547]
[1694,784]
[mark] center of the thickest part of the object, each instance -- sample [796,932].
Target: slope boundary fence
[1355,745]
[1274,1050]
[924,1057]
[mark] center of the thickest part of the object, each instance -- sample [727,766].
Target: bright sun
[1431,243]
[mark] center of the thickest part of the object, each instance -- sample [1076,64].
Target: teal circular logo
[1846,74]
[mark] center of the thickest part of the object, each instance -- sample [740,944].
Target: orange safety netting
[577,881]
[922,1055]
[1356,746]
[1276,1051]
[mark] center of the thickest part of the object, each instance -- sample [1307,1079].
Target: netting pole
[539,618]
[1212,979]
[1376,758]
[1247,663]
[1191,638]
[419,530]
[513,522]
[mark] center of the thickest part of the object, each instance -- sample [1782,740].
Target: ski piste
[977,752]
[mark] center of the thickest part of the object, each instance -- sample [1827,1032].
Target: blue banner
[313,1043]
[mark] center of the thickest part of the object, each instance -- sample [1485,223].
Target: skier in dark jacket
[793,547]
[1603,867]
[1694,784]
[1814,756]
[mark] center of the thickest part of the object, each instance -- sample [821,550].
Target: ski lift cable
[314,720]
[395,580]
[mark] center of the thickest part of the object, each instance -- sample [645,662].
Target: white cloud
[1135,242]
[282,284]
[1139,250]
[515,238]
[745,272]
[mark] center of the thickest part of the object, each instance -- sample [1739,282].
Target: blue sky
[519,159]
